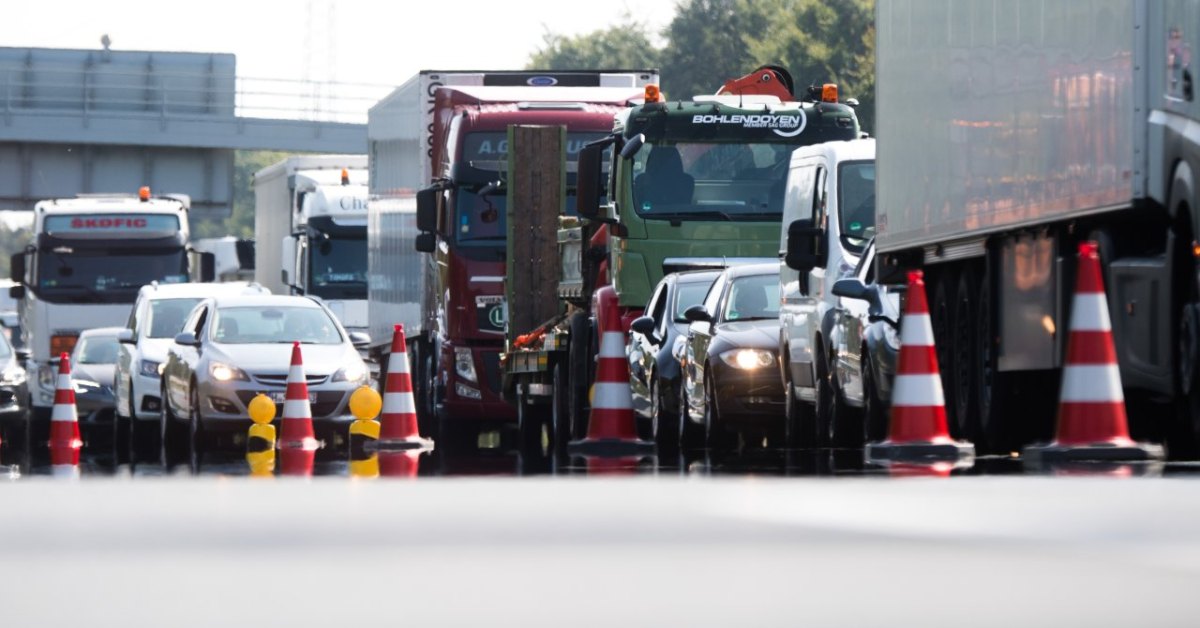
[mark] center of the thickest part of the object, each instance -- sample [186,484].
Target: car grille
[280,379]
[326,404]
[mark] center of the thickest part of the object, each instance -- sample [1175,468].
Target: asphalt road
[975,551]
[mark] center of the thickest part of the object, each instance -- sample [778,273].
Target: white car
[157,317]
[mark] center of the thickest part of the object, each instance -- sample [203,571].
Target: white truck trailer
[310,232]
[1008,133]
[89,257]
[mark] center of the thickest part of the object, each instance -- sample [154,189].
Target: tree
[240,222]
[625,45]
[709,42]
[12,241]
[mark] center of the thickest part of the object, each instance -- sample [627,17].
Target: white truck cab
[828,219]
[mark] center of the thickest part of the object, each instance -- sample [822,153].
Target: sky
[354,41]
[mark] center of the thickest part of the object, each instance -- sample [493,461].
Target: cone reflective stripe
[917,429]
[64,422]
[612,429]
[295,425]
[1092,424]
[398,428]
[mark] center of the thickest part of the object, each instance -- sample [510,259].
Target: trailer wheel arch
[1181,195]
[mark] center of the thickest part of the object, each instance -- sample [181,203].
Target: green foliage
[12,241]
[625,45]
[240,222]
[711,41]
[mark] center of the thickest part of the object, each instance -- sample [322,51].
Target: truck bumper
[462,398]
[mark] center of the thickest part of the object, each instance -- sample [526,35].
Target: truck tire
[941,318]
[993,432]
[560,406]
[531,417]
[963,351]
[579,367]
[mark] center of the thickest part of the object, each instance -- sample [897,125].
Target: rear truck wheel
[579,367]
[1185,433]
[963,351]
[560,406]
[824,409]
[994,433]
[691,433]
[664,424]
[874,413]
[941,318]
[845,422]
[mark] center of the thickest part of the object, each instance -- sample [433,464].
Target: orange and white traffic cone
[400,464]
[398,427]
[296,426]
[917,430]
[612,430]
[64,422]
[1091,410]
[297,461]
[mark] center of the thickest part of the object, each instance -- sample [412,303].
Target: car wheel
[874,412]
[169,431]
[717,434]
[847,425]
[691,435]
[798,420]
[663,424]
[195,421]
[824,409]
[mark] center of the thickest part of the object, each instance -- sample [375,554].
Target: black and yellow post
[365,405]
[260,440]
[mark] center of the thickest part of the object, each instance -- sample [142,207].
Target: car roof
[199,290]
[752,269]
[264,300]
[838,150]
[697,276]
[101,331]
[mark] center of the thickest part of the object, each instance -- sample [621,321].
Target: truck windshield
[856,203]
[67,275]
[710,181]
[338,267]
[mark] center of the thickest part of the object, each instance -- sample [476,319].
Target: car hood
[276,358]
[154,349]
[759,334]
[99,373]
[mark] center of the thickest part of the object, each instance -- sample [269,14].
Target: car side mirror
[645,326]
[851,288]
[125,337]
[359,340]
[697,314]
[187,339]
[805,246]
[425,242]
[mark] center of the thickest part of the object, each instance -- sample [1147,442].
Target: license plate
[279,395]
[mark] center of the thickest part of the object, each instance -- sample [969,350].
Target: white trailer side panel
[272,222]
[1000,113]
[394,276]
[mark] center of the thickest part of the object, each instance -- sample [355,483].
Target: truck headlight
[150,368]
[354,374]
[13,377]
[748,359]
[225,373]
[464,364]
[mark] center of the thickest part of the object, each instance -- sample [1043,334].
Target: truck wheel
[1185,439]
[530,420]
[963,348]
[941,316]
[992,432]
[560,406]
[579,368]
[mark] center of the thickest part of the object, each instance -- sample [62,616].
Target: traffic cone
[64,422]
[398,421]
[296,426]
[400,464]
[917,429]
[612,430]
[1091,407]
[297,461]
[64,462]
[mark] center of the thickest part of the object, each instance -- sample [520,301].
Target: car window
[687,295]
[97,350]
[167,316]
[654,308]
[714,294]
[132,323]
[752,297]
[269,325]
[6,349]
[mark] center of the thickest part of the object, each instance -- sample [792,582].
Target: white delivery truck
[89,257]
[1008,134]
[310,232]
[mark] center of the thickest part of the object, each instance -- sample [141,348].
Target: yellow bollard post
[365,405]
[260,441]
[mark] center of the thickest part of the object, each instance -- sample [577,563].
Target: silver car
[232,348]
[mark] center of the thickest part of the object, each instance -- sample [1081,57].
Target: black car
[654,373]
[732,380]
[14,392]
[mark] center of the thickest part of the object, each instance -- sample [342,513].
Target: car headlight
[224,372]
[150,368]
[13,377]
[355,374]
[82,386]
[748,359]
[464,364]
[47,376]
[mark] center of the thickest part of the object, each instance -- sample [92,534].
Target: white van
[828,219]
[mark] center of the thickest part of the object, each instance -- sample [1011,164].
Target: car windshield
[753,297]
[710,181]
[690,294]
[856,197]
[167,316]
[6,348]
[271,325]
[97,350]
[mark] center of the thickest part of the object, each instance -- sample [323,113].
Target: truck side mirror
[287,259]
[425,243]
[427,209]
[208,267]
[805,246]
[16,292]
[16,265]
[588,183]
